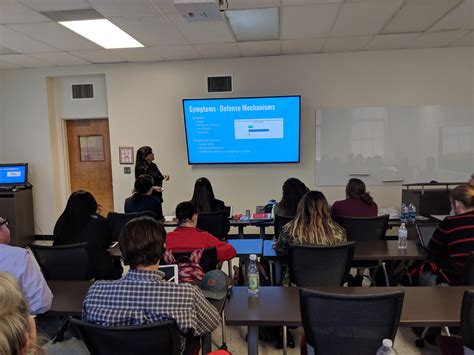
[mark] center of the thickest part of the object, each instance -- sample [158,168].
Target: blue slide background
[221,130]
[12,180]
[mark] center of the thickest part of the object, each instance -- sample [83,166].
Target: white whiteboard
[394,145]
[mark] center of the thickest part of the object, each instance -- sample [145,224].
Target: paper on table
[170,218]
[393,212]
[439,216]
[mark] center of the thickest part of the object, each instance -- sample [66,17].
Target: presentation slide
[243,130]
[12,175]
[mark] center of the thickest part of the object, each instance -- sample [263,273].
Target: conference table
[280,306]
[68,297]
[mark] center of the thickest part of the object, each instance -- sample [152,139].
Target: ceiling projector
[199,10]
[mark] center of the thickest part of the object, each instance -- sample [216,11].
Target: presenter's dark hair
[355,188]
[80,206]
[293,191]
[142,152]
[185,211]
[203,195]
[143,184]
[142,242]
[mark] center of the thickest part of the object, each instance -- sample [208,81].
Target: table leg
[285,341]
[229,268]
[252,340]
[262,232]
[271,265]
[206,343]
[241,231]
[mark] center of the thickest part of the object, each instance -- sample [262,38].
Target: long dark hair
[355,188]
[293,191]
[203,195]
[142,152]
[79,209]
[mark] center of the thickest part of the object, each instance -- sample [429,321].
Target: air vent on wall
[82,91]
[219,83]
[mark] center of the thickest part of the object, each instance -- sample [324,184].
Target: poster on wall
[126,155]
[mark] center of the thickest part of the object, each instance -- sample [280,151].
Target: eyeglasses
[5,221]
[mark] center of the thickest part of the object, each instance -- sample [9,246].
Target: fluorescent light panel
[255,24]
[103,32]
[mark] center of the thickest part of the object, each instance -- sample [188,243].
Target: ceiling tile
[252,4]
[418,15]
[151,30]
[125,8]
[308,2]
[255,24]
[56,5]
[60,58]
[307,21]
[226,50]
[461,17]
[22,43]
[100,56]
[12,11]
[364,18]
[464,41]
[179,52]
[55,35]
[24,61]
[146,54]
[259,48]
[393,41]
[165,6]
[203,32]
[5,65]
[437,39]
[300,46]
[346,44]
[6,50]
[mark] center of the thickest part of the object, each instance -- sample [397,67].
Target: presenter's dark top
[141,203]
[451,245]
[98,235]
[155,173]
[353,207]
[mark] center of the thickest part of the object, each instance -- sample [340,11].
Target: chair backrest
[208,260]
[64,262]
[320,265]
[467,319]
[119,220]
[470,270]
[349,324]
[365,228]
[148,339]
[214,223]
[280,221]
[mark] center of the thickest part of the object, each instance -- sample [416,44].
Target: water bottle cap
[253,257]
[387,343]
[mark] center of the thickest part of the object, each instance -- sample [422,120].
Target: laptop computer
[171,272]
[425,232]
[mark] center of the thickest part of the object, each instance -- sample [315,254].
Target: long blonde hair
[313,223]
[14,313]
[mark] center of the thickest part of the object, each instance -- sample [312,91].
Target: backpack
[189,270]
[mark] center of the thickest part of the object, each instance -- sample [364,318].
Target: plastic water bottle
[402,237]
[411,213]
[386,348]
[404,213]
[253,276]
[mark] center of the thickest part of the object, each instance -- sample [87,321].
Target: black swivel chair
[280,221]
[148,339]
[208,260]
[215,223]
[119,220]
[349,324]
[320,265]
[467,319]
[366,229]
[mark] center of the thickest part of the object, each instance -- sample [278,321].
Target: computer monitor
[425,232]
[13,174]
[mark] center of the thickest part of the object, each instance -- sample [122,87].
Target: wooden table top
[278,306]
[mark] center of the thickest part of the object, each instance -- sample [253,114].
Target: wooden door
[89,160]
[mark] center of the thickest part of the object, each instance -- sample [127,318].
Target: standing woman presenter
[144,165]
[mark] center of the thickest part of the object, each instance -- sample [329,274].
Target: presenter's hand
[157,188]
[99,209]
[167,177]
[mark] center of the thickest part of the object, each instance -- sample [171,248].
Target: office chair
[208,260]
[119,220]
[215,223]
[367,229]
[148,339]
[349,323]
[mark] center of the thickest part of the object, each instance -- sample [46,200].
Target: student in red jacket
[187,237]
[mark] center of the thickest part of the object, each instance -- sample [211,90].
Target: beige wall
[144,107]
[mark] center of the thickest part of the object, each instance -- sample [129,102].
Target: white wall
[144,107]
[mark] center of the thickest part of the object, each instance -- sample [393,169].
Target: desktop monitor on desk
[13,174]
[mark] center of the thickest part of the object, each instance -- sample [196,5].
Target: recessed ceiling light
[255,24]
[103,32]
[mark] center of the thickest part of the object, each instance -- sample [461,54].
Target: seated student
[142,296]
[293,191]
[20,264]
[142,199]
[17,327]
[81,223]
[358,202]
[312,225]
[452,241]
[187,237]
[204,201]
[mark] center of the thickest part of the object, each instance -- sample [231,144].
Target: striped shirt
[451,245]
[143,297]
